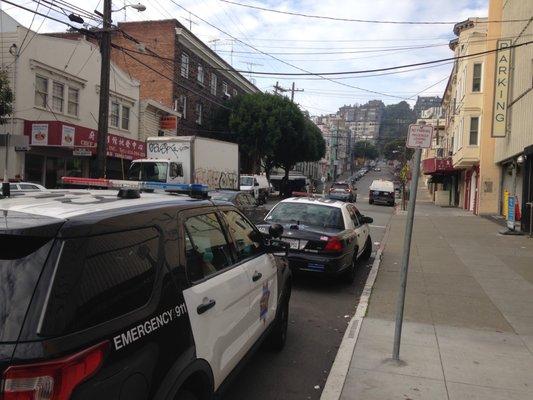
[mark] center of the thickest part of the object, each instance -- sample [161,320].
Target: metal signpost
[419,137]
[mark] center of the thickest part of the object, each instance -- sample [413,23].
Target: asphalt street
[320,310]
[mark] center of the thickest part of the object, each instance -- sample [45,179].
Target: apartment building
[175,68]
[463,105]
[425,102]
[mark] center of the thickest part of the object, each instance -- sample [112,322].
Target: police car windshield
[247,181]
[222,196]
[148,171]
[307,214]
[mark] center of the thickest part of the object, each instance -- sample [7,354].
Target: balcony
[436,165]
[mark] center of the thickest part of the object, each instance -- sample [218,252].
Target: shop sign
[39,134]
[511,204]
[121,147]
[67,136]
[501,88]
[168,122]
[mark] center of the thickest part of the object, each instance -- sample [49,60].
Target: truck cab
[153,170]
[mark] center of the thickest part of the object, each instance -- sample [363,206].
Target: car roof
[315,200]
[69,204]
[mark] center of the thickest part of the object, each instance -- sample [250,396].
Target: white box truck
[188,159]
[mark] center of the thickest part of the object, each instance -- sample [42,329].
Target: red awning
[70,136]
[435,165]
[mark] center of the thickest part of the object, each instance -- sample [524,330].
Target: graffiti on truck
[216,179]
[164,148]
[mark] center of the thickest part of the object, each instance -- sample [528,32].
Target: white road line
[377,226]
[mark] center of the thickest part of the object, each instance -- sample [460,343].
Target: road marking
[377,226]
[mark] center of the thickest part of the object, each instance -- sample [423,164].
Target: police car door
[219,299]
[261,269]
[361,230]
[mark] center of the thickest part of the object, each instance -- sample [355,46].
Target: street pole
[103,110]
[405,256]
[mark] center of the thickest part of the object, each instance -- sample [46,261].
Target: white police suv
[132,297]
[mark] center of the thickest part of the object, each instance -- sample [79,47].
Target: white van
[381,192]
[257,185]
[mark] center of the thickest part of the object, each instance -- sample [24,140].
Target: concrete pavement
[468,330]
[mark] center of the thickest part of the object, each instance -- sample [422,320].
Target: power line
[367,21]
[31,23]
[388,68]
[280,60]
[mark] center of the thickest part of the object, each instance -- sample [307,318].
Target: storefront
[59,149]
[471,184]
[442,182]
[527,191]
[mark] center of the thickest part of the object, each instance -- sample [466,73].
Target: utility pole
[294,90]
[103,110]
[277,88]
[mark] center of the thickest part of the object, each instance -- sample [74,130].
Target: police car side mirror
[256,184]
[367,220]
[275,230]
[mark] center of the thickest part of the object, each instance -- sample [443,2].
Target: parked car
[137,296]
[377,169]
[257,186]
[326,237]
[343,191]
[244,201]
[23,187]
[381,192]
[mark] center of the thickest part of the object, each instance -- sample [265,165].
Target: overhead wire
[367,21]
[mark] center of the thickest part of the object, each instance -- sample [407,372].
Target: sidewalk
[468,329]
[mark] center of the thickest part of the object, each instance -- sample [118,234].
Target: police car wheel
[351,271]
[186,395]
[278,336]
[367,252]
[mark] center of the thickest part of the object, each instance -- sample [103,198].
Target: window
[213,84]
[353,215]
[176,170]
[235,92]
[474,131]
[183,106]
[101,278]
[185,65]
[206,247]
[200,75]
[115,111]
[41,91]
[199,113]
[125,118]
[307,214]
[476,78]
[225,88]
[248,241]
[58,92]
[73,101]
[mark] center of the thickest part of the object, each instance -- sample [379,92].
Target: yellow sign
[501,88]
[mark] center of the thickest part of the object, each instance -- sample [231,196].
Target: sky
[313,45]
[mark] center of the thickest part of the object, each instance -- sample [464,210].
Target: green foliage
[6,97]
[396,150]
[395,122]
[272,131]
[366,150]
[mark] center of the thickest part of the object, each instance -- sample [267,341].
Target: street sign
[420,136]
[81,152]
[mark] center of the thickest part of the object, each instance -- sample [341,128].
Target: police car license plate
[293,243]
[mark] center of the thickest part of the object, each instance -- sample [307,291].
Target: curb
[340,368]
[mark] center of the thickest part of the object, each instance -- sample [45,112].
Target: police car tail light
[52,380]
[334,245]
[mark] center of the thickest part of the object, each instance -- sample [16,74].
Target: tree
[395,122]
[366,150]
[6,97]
[396,150]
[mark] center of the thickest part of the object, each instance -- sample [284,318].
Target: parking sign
[420,136]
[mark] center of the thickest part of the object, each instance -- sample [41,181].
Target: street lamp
[139,7]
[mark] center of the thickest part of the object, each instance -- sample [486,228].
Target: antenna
[250,64]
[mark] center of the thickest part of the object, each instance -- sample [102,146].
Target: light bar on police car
[140,185]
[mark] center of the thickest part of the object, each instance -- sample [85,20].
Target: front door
[219,300]
[261,269]
[361,230]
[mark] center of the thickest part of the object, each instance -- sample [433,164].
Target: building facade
[53,129]
[514,151]
[425,102]
[178,70]
[463,105]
